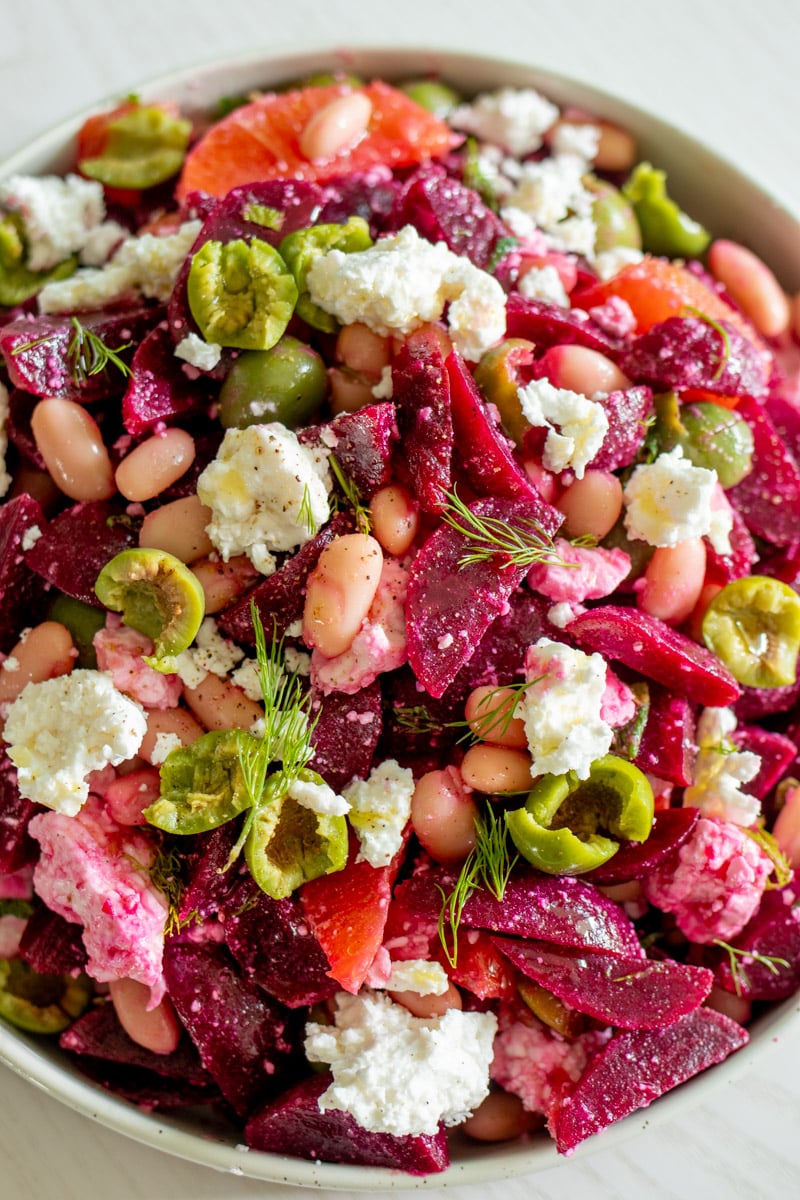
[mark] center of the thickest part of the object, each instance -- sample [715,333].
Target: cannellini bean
[128,795]
[616,148]
[223,582]
[752,285]
[796,317]
[361,349]
[786,829]
[348,391]
[336,127]
[175,721]
[69,440]
[155,464]
[499,1118]
[707,594]
[591,505]
[443,815]
[339,592]
[729,1004]
[488,712]
[43,653]
[546,482]
[394,514]
[582,370]
[497,769]
[157,1029]
[673,581]
[429,1006]
[179,528]
[219,704]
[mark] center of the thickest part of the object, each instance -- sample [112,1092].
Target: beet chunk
[689,352]
[77,544]
[21,590]
[443,209]
[99,1034]
[769,497]
[346,734]
[159,389]
[667,745]
[421,388]
[364,443]
[774,935]
[628,415]
[294,1124]
[146,1089]
[51,944]
[551,325]
[17,847]
[635,860]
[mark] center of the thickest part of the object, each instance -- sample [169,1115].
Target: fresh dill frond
[719,329]
[488,865]
[739,972]
[521,543]
[352,495]
[165,874]
[453,906]
[89,355]
[493,718]
[782,868]
[416,719]
[306,512]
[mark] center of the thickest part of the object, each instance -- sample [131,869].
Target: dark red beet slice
[628,412]
[782,406]
[364,443]
[18,427]
[688,352]
[415,725]
[21,589]
[756,703]
[346,734]
[17,847]
[549,908]
[159,389]
[99,1034]
[480,967]
[52,945]
[209,883]
[774,934]
[280,597]
[723,568]
[38,359]
[647,645]
[242,1036]
[77,544]
[421,390]
[635,860]
[667,748]
[776,751]
[485,455]
[637,1067]
[551,325]
[769,497]
[371,195]
[500,655]
[145,1089]
[449,606]
[271,941]
[630,993]
[443,209]
[294,1125]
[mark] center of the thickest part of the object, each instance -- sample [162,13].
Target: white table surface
[727,72]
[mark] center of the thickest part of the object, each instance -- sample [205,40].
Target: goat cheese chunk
[198,353]
[380,807]
[211,654]
[319,798]
[266,493]
[670,500]
[61,730]
[400,1074]
[720,770]
[404,281]
[515,119]
[576,426]
[561,709]
[58,215]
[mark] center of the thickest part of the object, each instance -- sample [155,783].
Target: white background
[727,72]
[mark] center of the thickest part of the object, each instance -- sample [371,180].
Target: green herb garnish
[352,495]
[781,866]
[306,512]
[521,543]
[739,973]
[719,329]
[488,865]
[90,355]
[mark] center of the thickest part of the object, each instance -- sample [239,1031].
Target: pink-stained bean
[488,712]
[224,582]
[591,505]
[673,580]
[499,1118]
[443,815]
[361,349]
[69,440]
[616,148]
[431,1005]
[155,464]
[752,285]
[219,704]
[179,528]
[176,721]
[497,769]
[546,482]
[394,514]
[128,795]
[157,1029]
[339,592]
[729,1004]
[349,391]
[336,127]
[695,623]
[579,369]
[786,829]
[44,652]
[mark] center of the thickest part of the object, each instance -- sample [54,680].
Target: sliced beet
[689,352]
[443,209]
[630,993]
[776,751]
[421,390]
[628,413]
[346,734]
[724,568]
[769,497]
[271,941]
[551,325]
[450,604]
[99,1034]
[500,655]
[782,405]
[635,860]
[756,703]
[18,427]
[39,360]
[295,1125]
[22,592]
[369,194]
[638,1066]
[243,1037]
[145,1089]
[51,944]
[773,934]
[667,748]
[658,652]
[364,443]
[159,389]
[17,848]
[77,544]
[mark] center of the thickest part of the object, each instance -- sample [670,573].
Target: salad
[400,620]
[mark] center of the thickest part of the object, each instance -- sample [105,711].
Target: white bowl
[715,193]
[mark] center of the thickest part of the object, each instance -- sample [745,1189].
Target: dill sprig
[90,355]
[165,874]
[781,866]
[416,719]
[521,543]
[719,329]
[352,495]
[488,865]
[497,718]
[739,973]
[306,512]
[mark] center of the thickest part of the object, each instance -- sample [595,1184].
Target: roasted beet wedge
[99,1034]
[766,962]
[769,497]
[689,352]
[159,388]
[346,733]
[551,325]
[77,544]
[295,1125]
[421,389]
[635,860]
[364,442]
[17,847]
[443,209]
[52,945]
[628,415]
[22,591]
[667,747]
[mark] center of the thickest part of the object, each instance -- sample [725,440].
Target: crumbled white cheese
[384,388]
[514,118]
[211,653]
[265,491]
[163,746]
[404,281]
[61,730]
[247,676]
[101,241]
[319,797]
[5,478]
[561,709]
[544,283]
[58,215]
[561,615]
[578,139]
[400,1074]
[418,975]
[147,265]
[198,353]
[380,807]
[10,664]
[297,661]
[720,769]
[576,426]
[550,196]
[30,537]
[669,500]
[610,262]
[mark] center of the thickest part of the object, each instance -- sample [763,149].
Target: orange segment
[261,140]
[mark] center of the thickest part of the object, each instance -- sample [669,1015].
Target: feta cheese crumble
[198,353]
[265,490]
[380,807]
[418,975]
[561,709]
[670,500]
[550,196]
[61,730]
[400,1074]
[318,797]
[404,281]
[514,118]
[576,426]
[58,215]
[720,770]
[212,653]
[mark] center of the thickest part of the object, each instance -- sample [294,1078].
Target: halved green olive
[439,98]
[299,249]
[709,434]
[666,229]
[753,627]
[17,282]
[287,383]
[156,594]
[614,219]
[143,147]
[40,1003]
[202,785]
[290,844]
[83,621]
[241,294]
[498,376]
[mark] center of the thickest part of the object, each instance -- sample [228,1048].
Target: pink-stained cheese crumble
[534,1063]
[94,872]
[587,573]
[119,651]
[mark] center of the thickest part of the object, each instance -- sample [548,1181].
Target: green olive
[289,844]
[287,383]
[329,78]
[144,147]
[17,282]
[753,627]
[432,94]
[156,594]
[498,376]
[83,621]
[613,217]
[666,229]
[40,1003]
[241,294]
[710,435]
[299,249]
[202,785]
